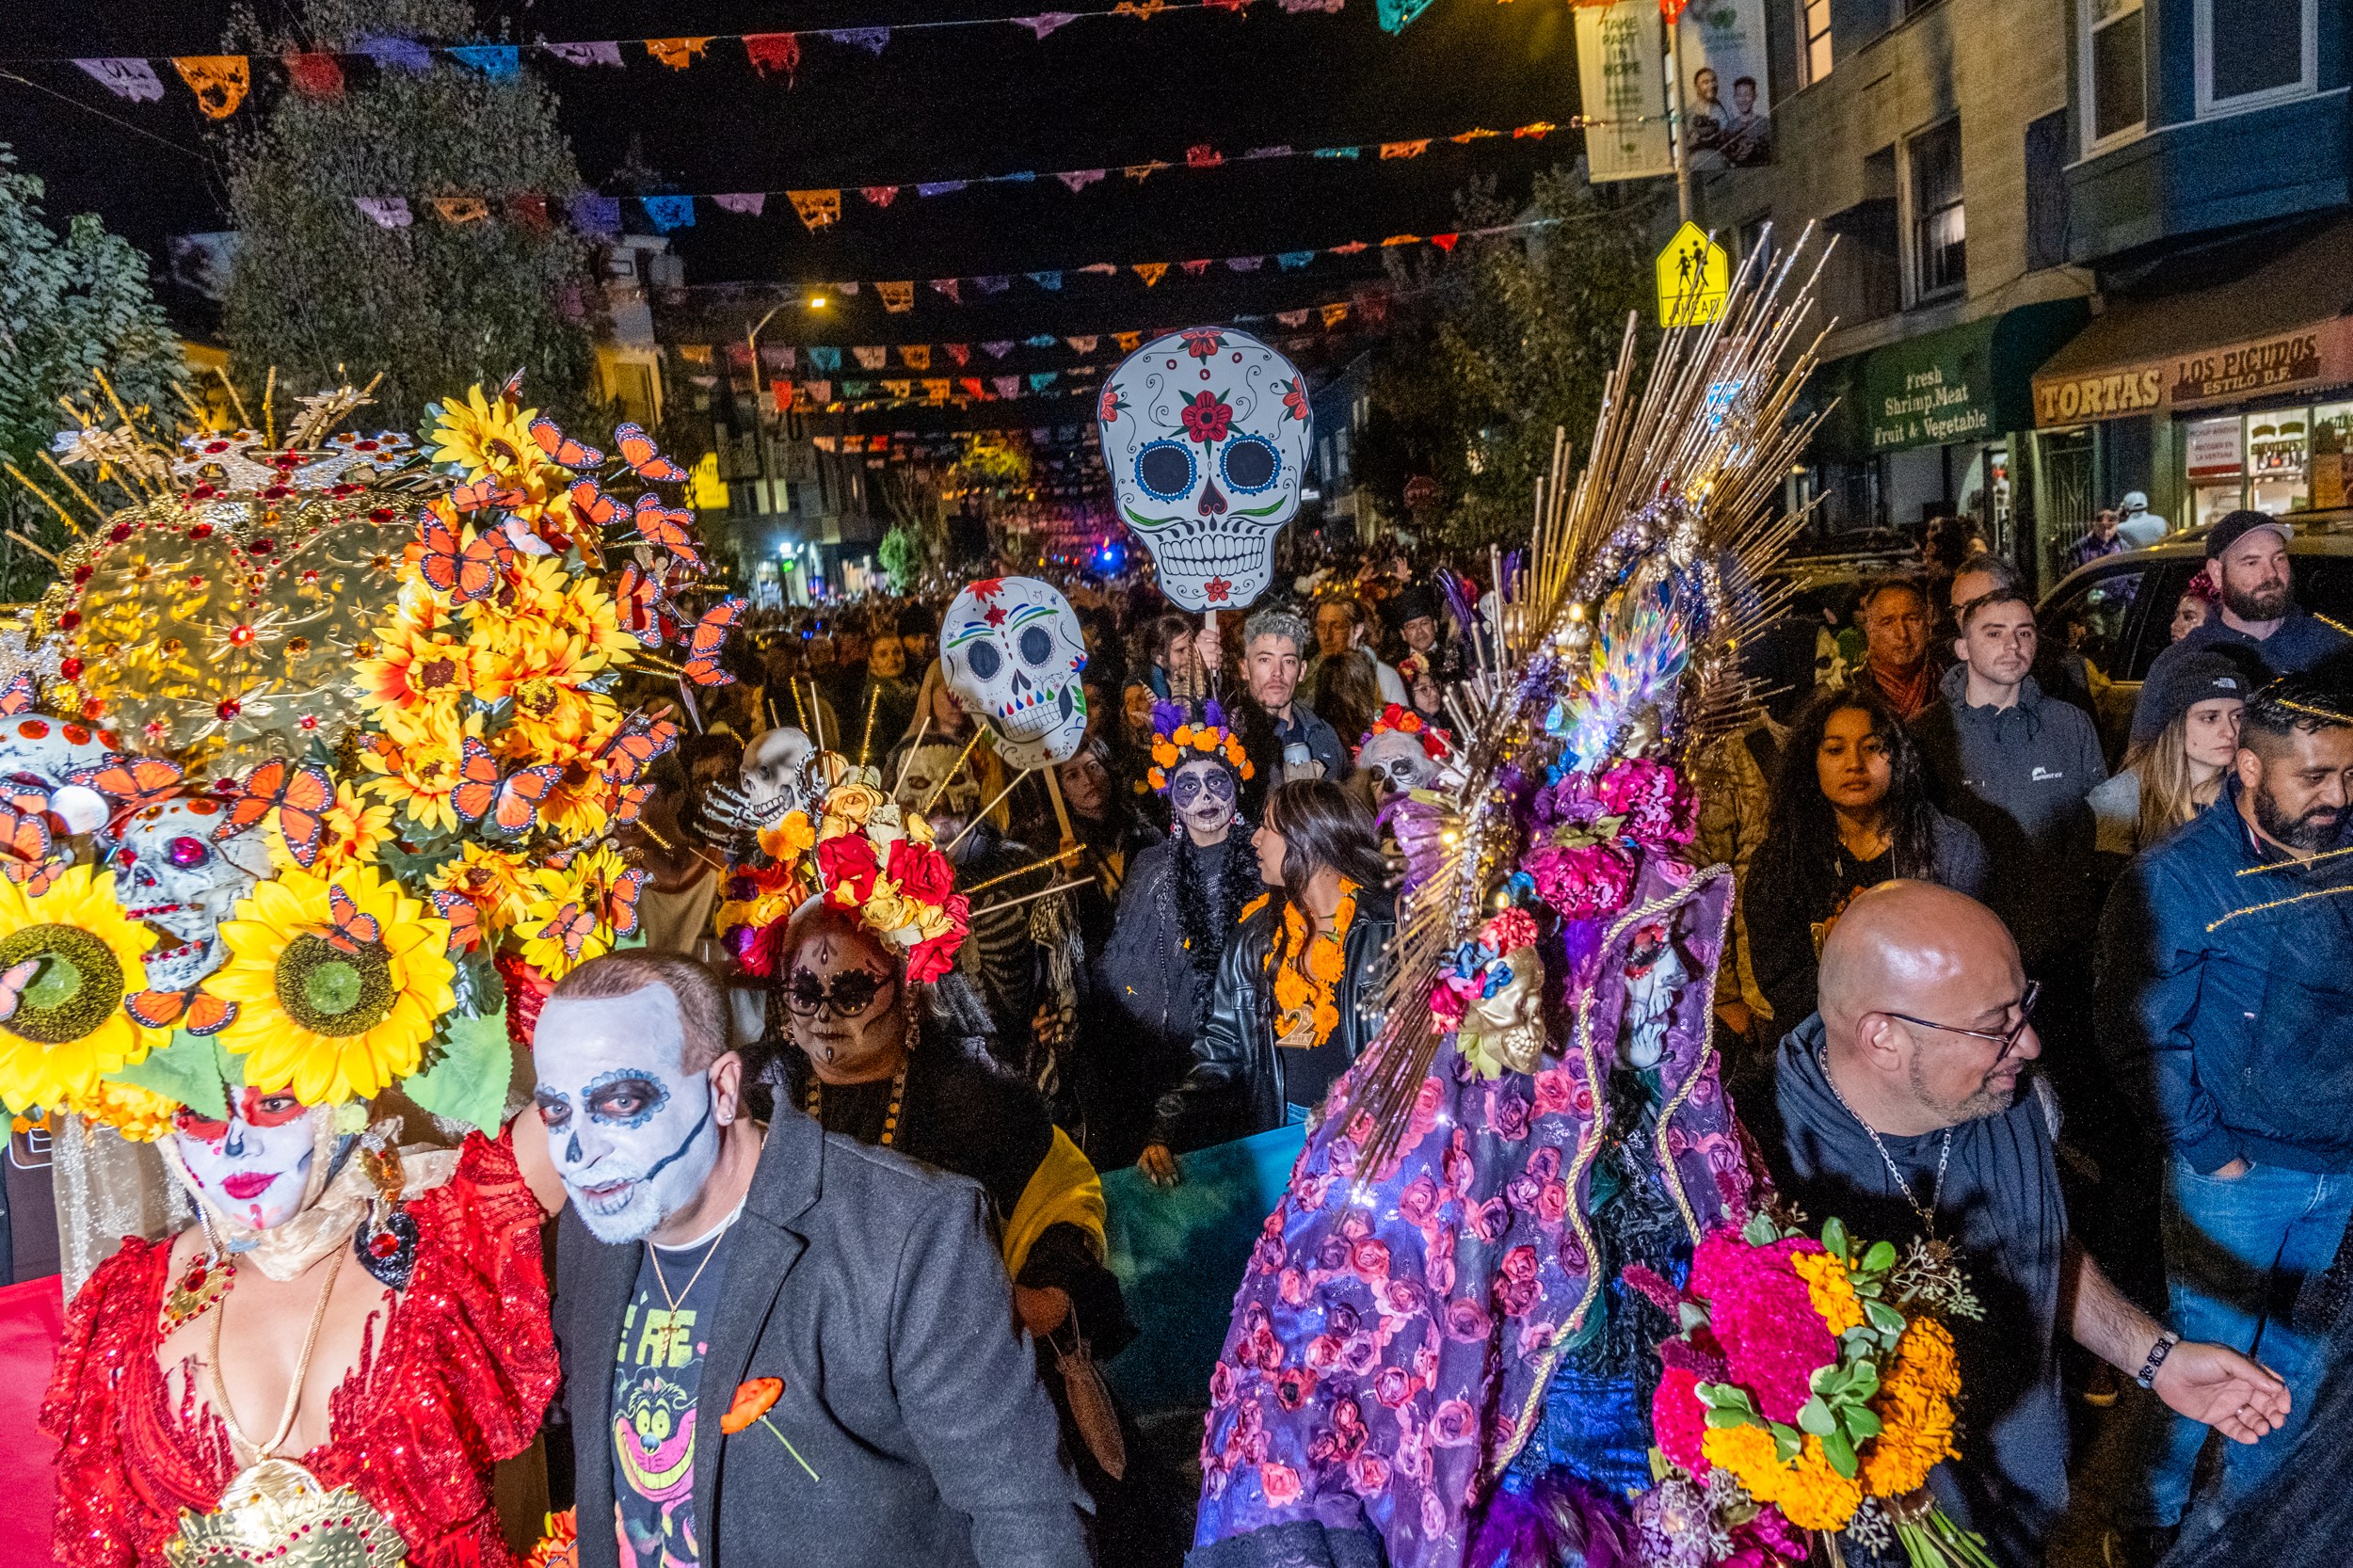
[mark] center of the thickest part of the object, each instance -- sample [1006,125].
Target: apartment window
[1814,60]
[2251,52]
[2115,70]
[1939,230]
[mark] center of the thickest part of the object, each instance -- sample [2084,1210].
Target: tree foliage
[70,305]
[320,290]
[1499,344]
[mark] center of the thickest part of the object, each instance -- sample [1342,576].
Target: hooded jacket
[2225,981]
[1235,1087]
[2018,776]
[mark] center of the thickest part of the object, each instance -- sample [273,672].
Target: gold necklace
[302,1371]
[813,1101]
[655,1253]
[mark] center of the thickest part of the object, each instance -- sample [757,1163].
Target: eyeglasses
[2006,1039]
[852,992]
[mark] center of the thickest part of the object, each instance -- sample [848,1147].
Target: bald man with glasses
[1908,1107]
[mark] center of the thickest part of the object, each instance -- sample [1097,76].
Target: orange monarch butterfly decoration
[198,1011]
[708,636]
[349,930]
[466,571]
[25,845]
[560,449]
[665,529]
[483,495]
[464,917]
[19,695]
[614,903]
[299,792]
[573,925]
[629,804]
[510,800]
[629,754]
[132,783]
[645,459]
[591,504]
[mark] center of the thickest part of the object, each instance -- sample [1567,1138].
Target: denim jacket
[2225,989]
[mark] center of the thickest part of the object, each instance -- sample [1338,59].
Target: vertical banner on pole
[1727,121]
[1623,75]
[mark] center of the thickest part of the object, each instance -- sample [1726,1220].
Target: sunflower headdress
[1177,738]
[401,677]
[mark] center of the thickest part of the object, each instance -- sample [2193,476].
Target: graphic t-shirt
[656,1373]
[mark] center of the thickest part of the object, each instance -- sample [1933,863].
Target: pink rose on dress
[1466,1321]
[1280,1483]
[1368,1475]
[1370,1258]
[1393,1386]
[1555,1090]
[1454,1425]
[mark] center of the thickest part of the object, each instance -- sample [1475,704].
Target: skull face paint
[1205,434]
[254,1166]
[1397,761]
[1012,651]
[170,872]
[1203,792]
[1655,974]
[632,1132]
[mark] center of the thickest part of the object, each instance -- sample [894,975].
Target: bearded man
[2259,621]
[830,1320]
[2223,995]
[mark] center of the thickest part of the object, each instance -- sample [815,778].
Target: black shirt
[657,1370]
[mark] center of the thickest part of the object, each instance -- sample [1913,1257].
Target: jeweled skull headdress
[1206,435]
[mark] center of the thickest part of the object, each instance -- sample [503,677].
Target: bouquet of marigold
[1816,1378]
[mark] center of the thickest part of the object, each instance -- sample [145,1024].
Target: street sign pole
[1673,21]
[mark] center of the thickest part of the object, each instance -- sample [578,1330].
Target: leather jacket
[1235,1085]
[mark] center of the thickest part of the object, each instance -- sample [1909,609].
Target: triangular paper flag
[819,391]
[1291,318]
[1151,272]
[748,203]
[388,212]
[817,208]
[972,387]
[1293,260]
[960,352]
[1079,179]
[1349,248]
[871,358]
[999,349]
[827,360]
[780,356]
[995,282]
[872,40]
[937,391]
[1083,345]
[528,210]
[1333,314]
[896,297]
[1049,281]
[1007,385]
[1202,155]
[595,214]
[1140,173]
[676,53]
[135,79]
[461,209]
[397,54]
[899,389]
[1041,379]
[952,287]
[1535,130]
[1404,149]
[1474,134]
[916,355]
[1244,263]
[313,74]
[773,52]
[880,195]
[1444,242]
[666,212]
[220,81]
[501,62]
[586,53]
[1046,22]
[1128,341]
[849,289]
[1194,269]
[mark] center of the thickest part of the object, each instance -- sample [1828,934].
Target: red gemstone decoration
[71,619]
[230,708]
[82,573]
[261,547]
[201,530]
[69,668]
[119,532]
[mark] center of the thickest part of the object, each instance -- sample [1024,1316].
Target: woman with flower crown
[1181,901]
[1296,994]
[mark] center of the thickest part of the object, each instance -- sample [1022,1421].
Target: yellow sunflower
[484,436]
[497,880]
[567,917]
[333,1013]
[69,1025]
[415,678]
[355,834]
[415,774]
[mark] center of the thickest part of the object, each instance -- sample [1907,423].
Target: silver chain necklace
[1936,1193]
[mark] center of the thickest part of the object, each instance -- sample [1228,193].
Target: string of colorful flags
[594,213]
[221,82]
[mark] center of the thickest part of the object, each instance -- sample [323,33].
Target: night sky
[938,103]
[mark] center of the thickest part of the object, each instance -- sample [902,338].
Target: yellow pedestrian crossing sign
[1694,275]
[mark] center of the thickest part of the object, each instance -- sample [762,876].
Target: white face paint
[1654,977]
[1201,794]
[631,1132]
[1397,763]
[255,1166]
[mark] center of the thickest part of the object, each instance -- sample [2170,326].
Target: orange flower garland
[1308,998]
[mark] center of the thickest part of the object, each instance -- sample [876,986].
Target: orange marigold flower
[1807,1490]
[1831,1289]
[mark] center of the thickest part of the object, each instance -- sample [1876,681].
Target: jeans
[2238,1254]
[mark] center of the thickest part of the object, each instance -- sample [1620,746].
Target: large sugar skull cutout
[171,872]
[775,776]
[1012,652]
[1206,435]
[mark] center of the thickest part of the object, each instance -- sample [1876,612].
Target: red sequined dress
[463,1370]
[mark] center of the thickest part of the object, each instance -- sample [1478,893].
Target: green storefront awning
[1968,383]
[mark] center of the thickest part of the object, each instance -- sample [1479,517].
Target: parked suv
[2117,612]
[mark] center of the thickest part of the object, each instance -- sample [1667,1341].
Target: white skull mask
[1012,651]
[38,756]
[1396,759]
[170,872]
[1206,435]
[1655,974]
[775,776]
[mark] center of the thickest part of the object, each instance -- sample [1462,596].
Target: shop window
[2331,472]
[2215,457]
[1813,53]
[2046,191]
[1938,232]
[2115,70]
[2254,51]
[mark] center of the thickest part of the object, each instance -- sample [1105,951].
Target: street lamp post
[760,430]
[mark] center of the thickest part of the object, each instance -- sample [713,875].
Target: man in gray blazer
[777,1350]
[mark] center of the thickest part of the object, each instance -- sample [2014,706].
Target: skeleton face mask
[1654,977]
[1012,651]
[254,1167]
[171,873]
[1397,763]
[634,1134]
[1202,792]
[1206,435]
[38,755]
[774,780]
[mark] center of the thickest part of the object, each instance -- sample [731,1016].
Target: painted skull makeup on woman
[1203,793]
[1654,977]
[846,998]
[632,1130]
[253,1166]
